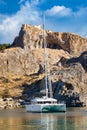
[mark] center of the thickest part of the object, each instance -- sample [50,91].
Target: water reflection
[20,120]
[53,121]
[47,121]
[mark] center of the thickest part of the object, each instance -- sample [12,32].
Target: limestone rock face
[72,43]
[31,37]
[22,65]
[19,62]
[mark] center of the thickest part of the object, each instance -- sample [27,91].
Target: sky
[60,16]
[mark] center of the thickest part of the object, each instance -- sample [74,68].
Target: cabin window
[39,102]
[44,102]
[47,102]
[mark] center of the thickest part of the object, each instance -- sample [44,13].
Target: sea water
[19,119]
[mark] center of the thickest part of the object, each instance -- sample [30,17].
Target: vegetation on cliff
[4,46]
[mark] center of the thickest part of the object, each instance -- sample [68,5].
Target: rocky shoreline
[10,103]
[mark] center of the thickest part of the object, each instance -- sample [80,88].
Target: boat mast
[45,55]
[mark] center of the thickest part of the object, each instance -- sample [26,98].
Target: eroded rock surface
[22,65]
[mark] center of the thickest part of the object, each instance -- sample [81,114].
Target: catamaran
[45,103]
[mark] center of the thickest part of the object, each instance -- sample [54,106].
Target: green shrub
[4,46]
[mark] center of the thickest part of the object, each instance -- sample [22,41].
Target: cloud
[10,25]
[2,2]
[21,1]
[65,20]
[81,12]
[62,11]
[36,2]
[59,10]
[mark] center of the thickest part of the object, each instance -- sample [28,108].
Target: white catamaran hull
[46,108]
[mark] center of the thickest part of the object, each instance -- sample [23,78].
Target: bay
[19,119]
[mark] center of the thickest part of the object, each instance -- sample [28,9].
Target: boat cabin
[43,100]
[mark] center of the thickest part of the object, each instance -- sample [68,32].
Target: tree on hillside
[4,46]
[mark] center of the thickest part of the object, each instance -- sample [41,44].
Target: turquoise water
[73,119]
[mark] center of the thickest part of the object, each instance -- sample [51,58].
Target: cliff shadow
[64,91]
[82,59]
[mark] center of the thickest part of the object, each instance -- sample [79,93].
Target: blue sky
[60,16]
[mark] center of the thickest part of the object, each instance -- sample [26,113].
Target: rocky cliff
[31,37]
[22,65]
